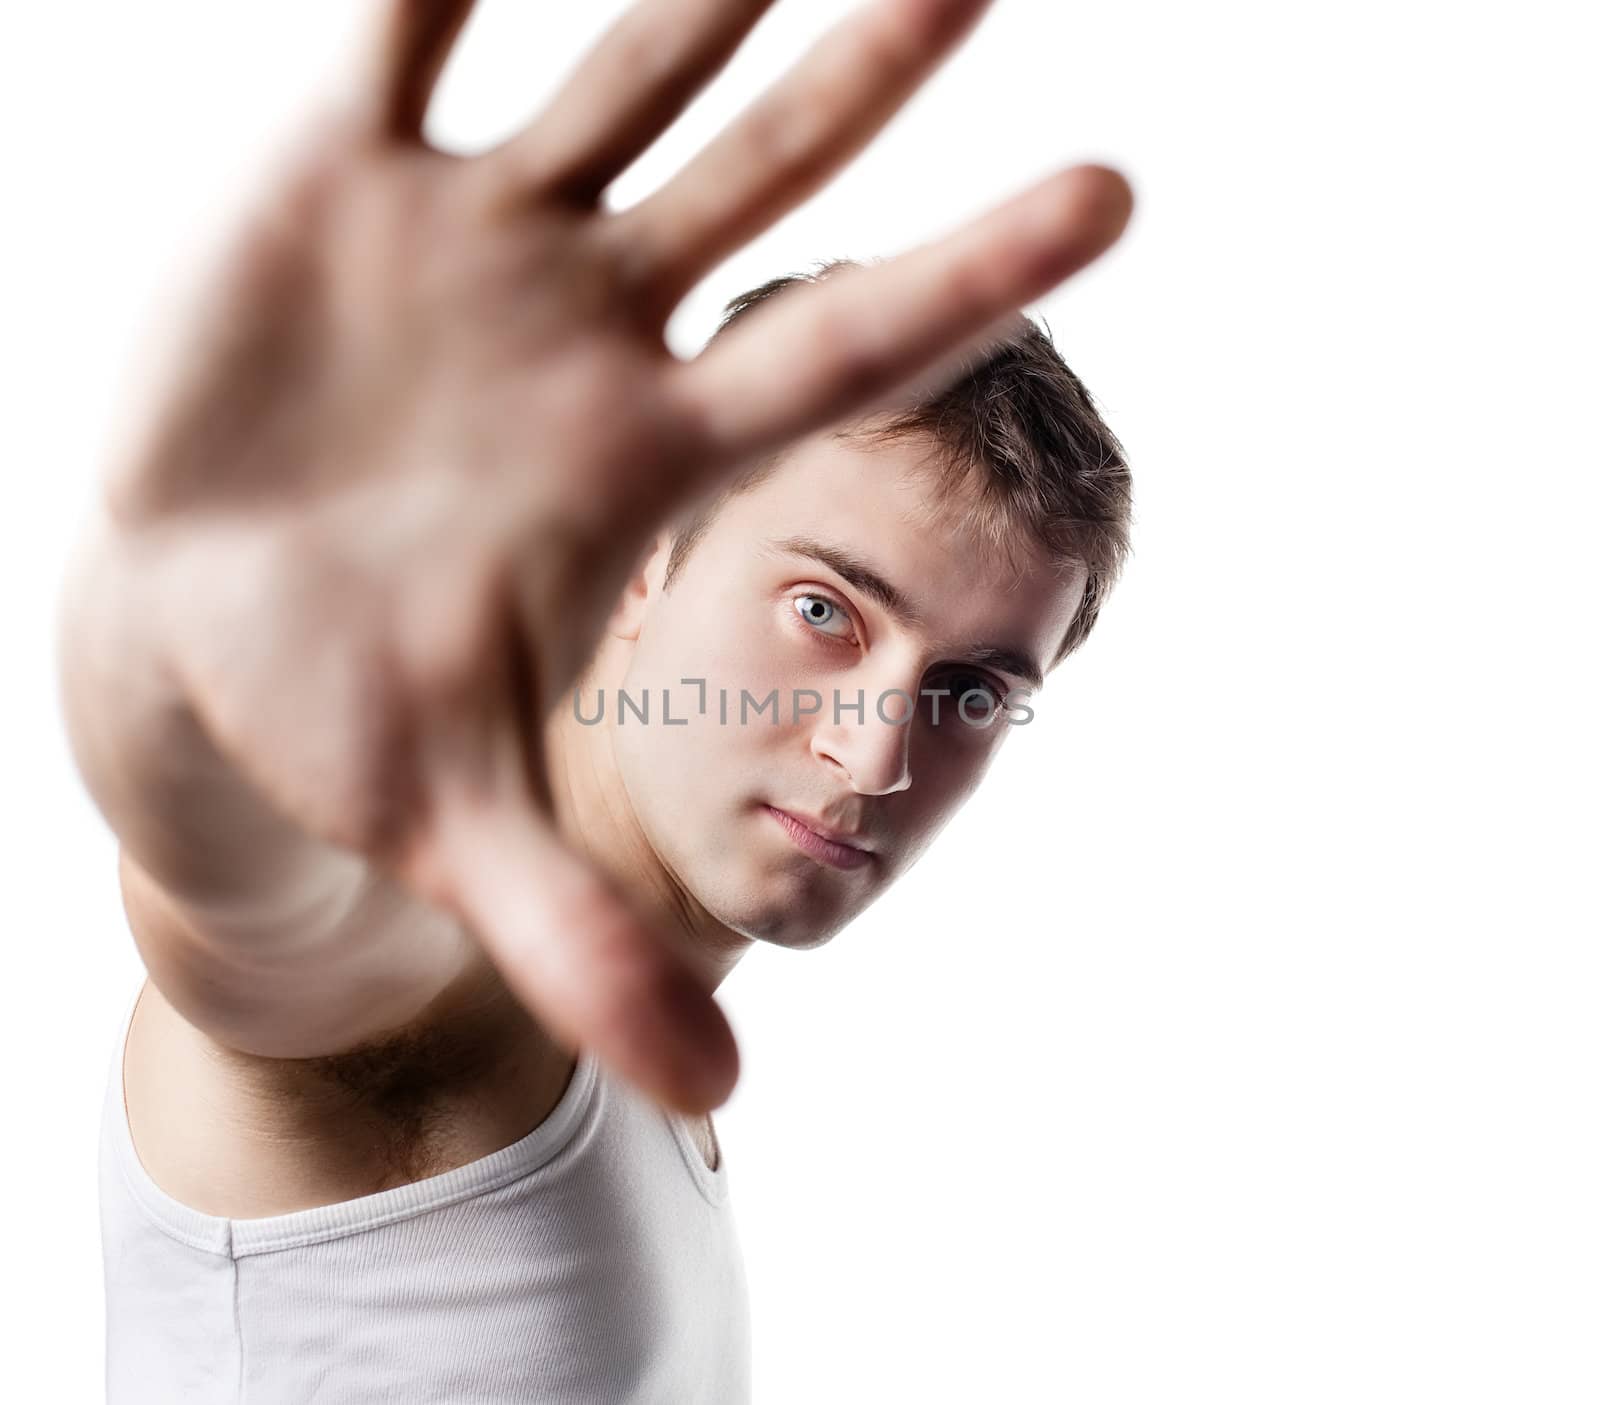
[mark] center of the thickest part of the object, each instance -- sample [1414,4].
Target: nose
[870,745]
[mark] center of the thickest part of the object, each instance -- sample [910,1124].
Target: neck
[597,820]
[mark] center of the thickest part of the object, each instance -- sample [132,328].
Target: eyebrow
[872,583]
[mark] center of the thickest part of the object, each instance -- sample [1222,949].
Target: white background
[1239,1041]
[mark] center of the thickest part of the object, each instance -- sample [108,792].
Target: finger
[641,74]
[408,44]
[792,140]
[575,954]
[817,354]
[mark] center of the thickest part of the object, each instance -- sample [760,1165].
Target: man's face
[751,611]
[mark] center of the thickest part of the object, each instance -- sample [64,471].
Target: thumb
[578,956]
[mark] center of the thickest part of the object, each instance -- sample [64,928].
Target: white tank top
[594,1260]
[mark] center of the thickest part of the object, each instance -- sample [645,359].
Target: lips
[829,851]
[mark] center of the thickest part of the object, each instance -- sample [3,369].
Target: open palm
[424,419]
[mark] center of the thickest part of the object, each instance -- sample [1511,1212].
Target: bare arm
[389,482]
[271,941]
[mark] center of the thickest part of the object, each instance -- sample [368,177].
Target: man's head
[962,544]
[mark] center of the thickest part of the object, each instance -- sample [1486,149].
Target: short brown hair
[1019,428]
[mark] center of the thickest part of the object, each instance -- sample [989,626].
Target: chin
[792,941]
[786,928]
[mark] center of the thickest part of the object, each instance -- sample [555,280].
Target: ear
[644,584]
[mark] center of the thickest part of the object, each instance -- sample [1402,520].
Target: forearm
[180,809]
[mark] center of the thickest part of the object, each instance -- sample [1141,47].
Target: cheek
[757,653]
[753,654]
[705,745]
[947,771]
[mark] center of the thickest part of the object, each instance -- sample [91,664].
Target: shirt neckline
[239,1236]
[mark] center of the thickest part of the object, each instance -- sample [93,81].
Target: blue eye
[819,612]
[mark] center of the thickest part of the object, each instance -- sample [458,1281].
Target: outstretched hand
[424,419]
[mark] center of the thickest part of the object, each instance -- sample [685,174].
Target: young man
[412,1105]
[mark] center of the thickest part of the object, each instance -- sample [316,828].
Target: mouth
[828,851]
